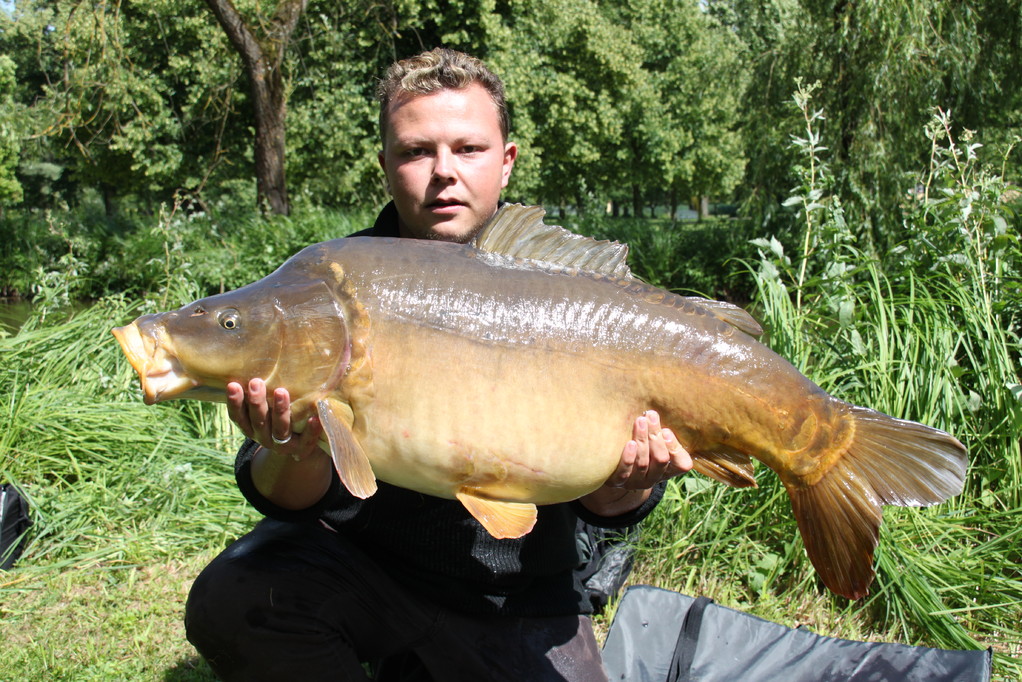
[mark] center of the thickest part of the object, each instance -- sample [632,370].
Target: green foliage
[92,459]
[884,66]
[688,119]
[119,493]
[890,274]
[135,92]
[608,102]
[198,253]
[694,258]
[927,331]
[10,137]
[612,102]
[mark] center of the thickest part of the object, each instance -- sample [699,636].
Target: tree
[883,69]
[570,72]
[131,99]
[263,58]
[336,56]
[687,127]
[10,138]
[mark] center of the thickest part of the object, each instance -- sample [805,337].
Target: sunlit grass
[922,333]
[127,501]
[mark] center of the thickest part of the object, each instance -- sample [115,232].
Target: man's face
[446,162]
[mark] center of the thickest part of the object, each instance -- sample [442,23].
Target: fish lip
[165,385]
[133,346]
[158,370]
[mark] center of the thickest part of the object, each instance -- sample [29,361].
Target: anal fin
[349,458]
[500,519]
[724,464]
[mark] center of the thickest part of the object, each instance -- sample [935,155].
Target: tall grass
[108,478]
[928,332]
[128,501]
[90,457]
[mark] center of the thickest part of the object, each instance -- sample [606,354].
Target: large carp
[507,383]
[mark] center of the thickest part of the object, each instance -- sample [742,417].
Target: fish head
[291,336]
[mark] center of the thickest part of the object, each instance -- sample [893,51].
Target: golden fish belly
[514,424]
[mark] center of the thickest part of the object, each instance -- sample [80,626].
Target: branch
[237,32]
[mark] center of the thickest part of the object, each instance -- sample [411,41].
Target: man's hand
[290,469]
[653,455]
[270,425]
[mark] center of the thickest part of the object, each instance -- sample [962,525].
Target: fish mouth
[159,372]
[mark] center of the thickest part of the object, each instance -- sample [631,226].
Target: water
[13,313]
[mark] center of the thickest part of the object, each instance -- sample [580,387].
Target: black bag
[662,636]
[14,524]
[606,560]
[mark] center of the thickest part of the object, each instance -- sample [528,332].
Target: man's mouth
[444,204]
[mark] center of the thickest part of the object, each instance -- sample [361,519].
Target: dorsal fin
[730,313]
[519,232]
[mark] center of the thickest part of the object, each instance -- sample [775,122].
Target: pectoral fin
[350,459]
[500,519]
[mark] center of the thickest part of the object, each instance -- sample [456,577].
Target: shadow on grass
[193,669]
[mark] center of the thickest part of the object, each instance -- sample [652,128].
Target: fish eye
[229,319]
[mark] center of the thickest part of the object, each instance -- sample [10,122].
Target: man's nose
[443,165]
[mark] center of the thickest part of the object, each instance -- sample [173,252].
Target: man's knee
[215,609]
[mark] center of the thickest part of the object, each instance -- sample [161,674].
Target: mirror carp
[508,375]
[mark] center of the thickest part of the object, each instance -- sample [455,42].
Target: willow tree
[262,53]
[129,99]
[883,68]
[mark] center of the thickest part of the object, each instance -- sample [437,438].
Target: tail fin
[888,461]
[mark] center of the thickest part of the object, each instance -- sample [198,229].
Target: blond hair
[440,69]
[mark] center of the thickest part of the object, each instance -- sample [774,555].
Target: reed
[926,332]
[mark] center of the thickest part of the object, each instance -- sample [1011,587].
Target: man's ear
[383,164]
[510,154]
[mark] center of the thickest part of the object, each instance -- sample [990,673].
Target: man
[330,582]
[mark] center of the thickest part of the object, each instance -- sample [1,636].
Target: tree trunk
[264,60]
[107,192]
[636,201]
[704,208]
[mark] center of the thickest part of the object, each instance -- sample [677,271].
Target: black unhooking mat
[14,521]
[662,636]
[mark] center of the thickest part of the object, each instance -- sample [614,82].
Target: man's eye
[416,152]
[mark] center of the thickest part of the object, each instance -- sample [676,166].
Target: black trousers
[296,602]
